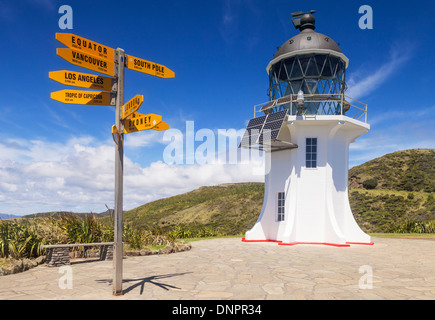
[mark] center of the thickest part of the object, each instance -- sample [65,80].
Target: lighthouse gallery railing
[317,104]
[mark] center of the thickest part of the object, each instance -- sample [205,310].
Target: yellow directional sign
[84,45]
[85,97]
[162,126]
[140,122]
[88,61]
[83,80]
[132,106]
[149,67]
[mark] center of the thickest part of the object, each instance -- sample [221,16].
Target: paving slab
[229,269]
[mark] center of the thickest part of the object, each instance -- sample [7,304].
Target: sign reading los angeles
[84,45]
[87,61]
[149,67]
[140,122]
[85,97]
[83,80]
[132,106]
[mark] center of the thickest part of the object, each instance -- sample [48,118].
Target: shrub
[370,184]
[18,241]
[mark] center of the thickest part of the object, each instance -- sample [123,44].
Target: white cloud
[38,176]
[363,82]
[230,19]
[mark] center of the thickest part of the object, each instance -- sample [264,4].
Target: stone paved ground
[231,269]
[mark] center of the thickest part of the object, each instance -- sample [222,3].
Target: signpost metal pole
[119,168]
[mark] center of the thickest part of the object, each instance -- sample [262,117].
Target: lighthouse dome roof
[308,41]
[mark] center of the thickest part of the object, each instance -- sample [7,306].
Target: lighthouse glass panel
[311,153]
[321,77]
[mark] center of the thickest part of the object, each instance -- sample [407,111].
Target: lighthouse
[304,130]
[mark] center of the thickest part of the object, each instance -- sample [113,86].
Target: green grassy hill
[405,183]
[394,191]
[388,194]
[408,170]
[227,208]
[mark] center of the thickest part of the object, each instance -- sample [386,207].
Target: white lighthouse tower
[305,130]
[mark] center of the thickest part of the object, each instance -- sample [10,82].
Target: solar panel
[268,135]
[256,121]
[272,125]
[280,115]
[248,140]
[263,129]
[266,106]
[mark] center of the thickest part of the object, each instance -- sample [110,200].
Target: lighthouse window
[311,153]
[280,206]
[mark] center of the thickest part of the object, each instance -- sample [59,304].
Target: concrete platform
[235,270]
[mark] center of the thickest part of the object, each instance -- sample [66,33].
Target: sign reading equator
[149,67]
[79,43]
[83,80]
[87,61]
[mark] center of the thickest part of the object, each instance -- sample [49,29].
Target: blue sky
[55,156]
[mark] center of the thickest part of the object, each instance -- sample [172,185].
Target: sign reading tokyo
[79,43]
[87,61]
[149,67]
[84,97]
[83,80]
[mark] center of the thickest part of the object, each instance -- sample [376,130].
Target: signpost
[94,56]
[140,122]
[84,80]
[87,61]
[132,106]
[85,97]
[162,126]
[119,179]
[149,67]
[84,45]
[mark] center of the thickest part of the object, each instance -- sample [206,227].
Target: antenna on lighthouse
[297,16]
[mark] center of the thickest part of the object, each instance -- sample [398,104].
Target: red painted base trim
[280,243]
[274,241]
[362,243]
[322,243]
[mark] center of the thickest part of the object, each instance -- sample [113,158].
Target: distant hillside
[57,214]
[394,190]
[404,179]
[229,208]
[4,216]
[386,194]
[409,170]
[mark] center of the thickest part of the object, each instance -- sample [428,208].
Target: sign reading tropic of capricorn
[111,62]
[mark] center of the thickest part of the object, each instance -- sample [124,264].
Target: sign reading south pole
[83,80]
[87,61]
[85,97]
[149,67]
